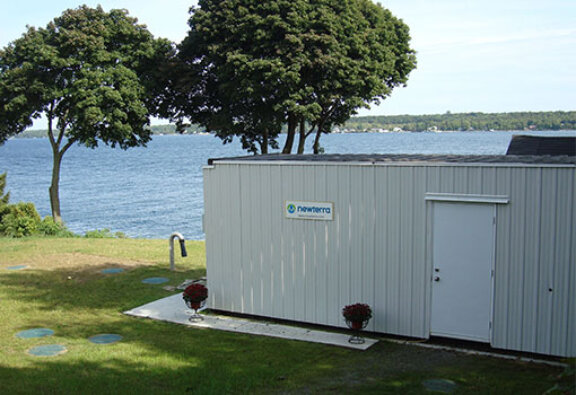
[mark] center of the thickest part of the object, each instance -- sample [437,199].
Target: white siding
[377,248]
[535,289]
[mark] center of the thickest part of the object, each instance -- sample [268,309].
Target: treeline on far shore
[552,120]
[557,120]
[156,130]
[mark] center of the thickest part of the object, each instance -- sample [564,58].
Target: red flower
[357,312]
[195,293]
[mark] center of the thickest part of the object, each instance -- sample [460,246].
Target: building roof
[389,158]
[536,145]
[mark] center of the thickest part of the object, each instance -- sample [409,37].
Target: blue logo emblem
[291,208]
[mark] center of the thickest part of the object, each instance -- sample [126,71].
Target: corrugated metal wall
[535,281]
[377,249]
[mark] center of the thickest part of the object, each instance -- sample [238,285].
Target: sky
[473,55]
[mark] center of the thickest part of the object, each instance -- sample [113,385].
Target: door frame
[493,200]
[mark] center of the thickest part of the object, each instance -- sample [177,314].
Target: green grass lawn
[64,290]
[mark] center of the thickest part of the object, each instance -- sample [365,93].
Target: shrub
[21,220]
[104,234]
[99,234]
[48,227]
[4,197]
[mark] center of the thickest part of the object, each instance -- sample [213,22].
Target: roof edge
[406,159]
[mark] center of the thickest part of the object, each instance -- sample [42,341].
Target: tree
[229,91]
[250,67]
[92,74]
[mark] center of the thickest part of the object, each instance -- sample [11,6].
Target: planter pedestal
[356,327]
[195,306]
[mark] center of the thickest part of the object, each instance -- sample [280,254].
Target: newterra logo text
[313,210]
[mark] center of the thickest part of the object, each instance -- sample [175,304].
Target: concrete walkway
[173,309]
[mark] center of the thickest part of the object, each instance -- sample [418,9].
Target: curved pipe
[182,247]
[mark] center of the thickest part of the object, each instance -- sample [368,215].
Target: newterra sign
[323,211]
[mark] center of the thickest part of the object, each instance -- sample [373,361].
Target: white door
[462,254]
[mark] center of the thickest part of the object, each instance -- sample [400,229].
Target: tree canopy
[92,74]
[247,68]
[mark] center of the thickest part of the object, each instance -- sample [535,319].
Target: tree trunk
[57,154]
[54,189]
[264,143]
[321,123]
[302,137]
[290,135]
[316,146]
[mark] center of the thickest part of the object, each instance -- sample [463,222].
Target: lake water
[154,191]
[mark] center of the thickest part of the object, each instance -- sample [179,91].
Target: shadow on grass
[82,287]
[157,357]
[152,356]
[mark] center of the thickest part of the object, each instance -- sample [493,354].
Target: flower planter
[195,296]
[357,317]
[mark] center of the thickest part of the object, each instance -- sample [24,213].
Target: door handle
[436,278]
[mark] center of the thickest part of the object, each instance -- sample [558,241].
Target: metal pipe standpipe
[182,247]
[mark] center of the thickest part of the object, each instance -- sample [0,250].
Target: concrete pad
[173,309]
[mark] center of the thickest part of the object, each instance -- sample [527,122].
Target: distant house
[480,248]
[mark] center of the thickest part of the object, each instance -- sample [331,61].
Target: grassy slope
[64,290]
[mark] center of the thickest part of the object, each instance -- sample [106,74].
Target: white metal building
[470,247]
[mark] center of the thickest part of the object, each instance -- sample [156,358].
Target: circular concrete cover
[48,350]
[33,333]
[155,280]
[105,338]
[17,267]
[440,385]
[113,270]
